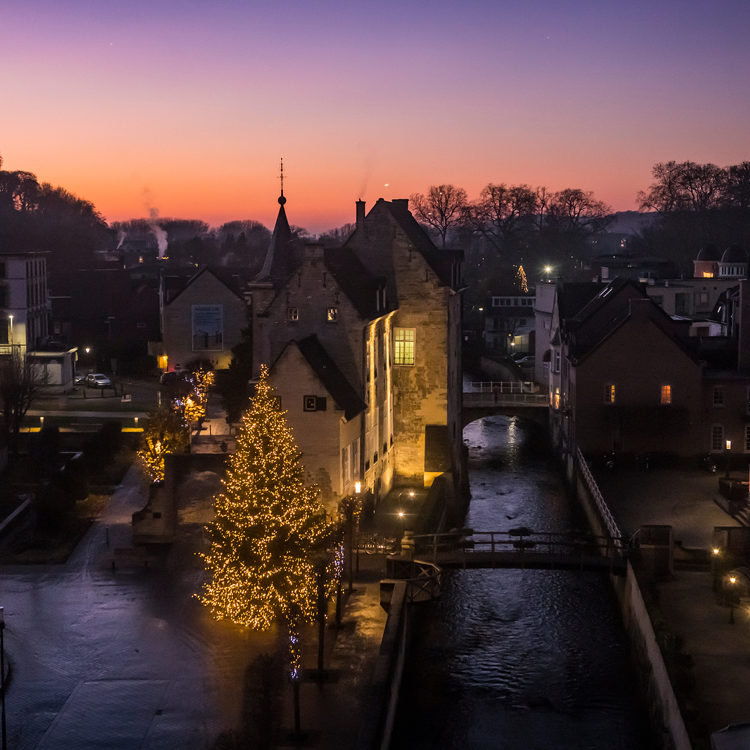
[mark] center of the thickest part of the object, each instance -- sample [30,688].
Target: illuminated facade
[363,344]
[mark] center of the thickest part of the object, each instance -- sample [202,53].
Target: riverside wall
[655,685]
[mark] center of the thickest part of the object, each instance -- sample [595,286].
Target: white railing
[498,397]
[599,499]
[501,386]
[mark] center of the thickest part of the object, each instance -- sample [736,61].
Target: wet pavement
[131,659]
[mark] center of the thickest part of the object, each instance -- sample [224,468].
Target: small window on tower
[666,394]
[292,314]
[609,393]
[332,314]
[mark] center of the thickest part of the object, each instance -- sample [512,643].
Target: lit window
[718,395]
[332,314]
[292,313]
[403,345]
[717,437]
[557,398]
[609,393]
[666,394]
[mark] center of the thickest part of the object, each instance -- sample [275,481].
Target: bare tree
[502,212]
[443,208]
[684,187]
[21,379]
[572,211]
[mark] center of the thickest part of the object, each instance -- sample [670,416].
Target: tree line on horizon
[507,225]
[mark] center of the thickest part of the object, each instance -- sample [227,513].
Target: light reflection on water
[519,659]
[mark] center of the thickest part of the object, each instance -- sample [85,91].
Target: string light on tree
[163,433]
[268,528]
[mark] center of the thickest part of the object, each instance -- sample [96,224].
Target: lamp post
[732,581]
[728,449]
[715,552]
[2,674]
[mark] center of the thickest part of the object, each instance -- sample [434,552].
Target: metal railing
[424,579]
[502,386]
[519,542]
[609,521]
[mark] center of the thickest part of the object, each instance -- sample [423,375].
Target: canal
[520,659]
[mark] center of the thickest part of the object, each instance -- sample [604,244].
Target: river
[520,659]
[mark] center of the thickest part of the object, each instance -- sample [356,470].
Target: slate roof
[334,381]
[228,281]
[572,297]
[441,261]
[359,285]
[280,262]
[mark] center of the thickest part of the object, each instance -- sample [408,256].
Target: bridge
[507,398]
[518,548]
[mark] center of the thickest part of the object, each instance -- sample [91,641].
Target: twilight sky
[187,106]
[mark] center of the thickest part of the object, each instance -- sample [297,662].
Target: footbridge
[518,548]
[506,398]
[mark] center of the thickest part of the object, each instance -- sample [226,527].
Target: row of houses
[648,368]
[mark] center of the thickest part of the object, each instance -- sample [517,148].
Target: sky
[187,106]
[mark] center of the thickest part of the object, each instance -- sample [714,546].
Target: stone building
[363,344]
[203,320]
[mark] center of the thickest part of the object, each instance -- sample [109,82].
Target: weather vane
[282,199]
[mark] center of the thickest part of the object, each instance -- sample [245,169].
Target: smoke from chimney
[158,232]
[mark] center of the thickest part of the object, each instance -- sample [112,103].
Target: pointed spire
[280,263]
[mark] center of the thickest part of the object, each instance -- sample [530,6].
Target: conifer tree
[521,282]
[269,528]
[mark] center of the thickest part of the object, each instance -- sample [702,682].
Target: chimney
[402,202]
[360,214]
[743,322]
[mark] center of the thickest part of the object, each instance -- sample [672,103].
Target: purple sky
[188,106]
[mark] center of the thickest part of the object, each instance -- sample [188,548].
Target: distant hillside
[631,222]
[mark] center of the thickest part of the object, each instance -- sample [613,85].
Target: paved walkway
[132,661]
[721,652]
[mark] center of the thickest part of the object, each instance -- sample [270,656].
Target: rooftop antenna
[282,199]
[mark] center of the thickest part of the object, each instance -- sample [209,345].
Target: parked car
[97,380]
[526,361]
[80,378]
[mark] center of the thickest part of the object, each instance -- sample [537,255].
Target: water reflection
[512,658]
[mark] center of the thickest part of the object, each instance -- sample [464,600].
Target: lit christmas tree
[521,282]
[269,529]
[164,432]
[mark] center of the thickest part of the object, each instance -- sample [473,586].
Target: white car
[97,380]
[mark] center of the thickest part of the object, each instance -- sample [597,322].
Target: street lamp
[10,317]
[715,565]
[728,449]
[2,673]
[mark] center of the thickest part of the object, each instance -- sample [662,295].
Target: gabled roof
[327,371]
[440,261]
[572,297]
[357,283]
[227,282]
[587,331]
[280,263]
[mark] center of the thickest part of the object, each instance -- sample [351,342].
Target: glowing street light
[732,580]
[715,565]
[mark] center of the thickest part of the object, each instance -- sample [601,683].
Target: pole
[321,618]
[2,674]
